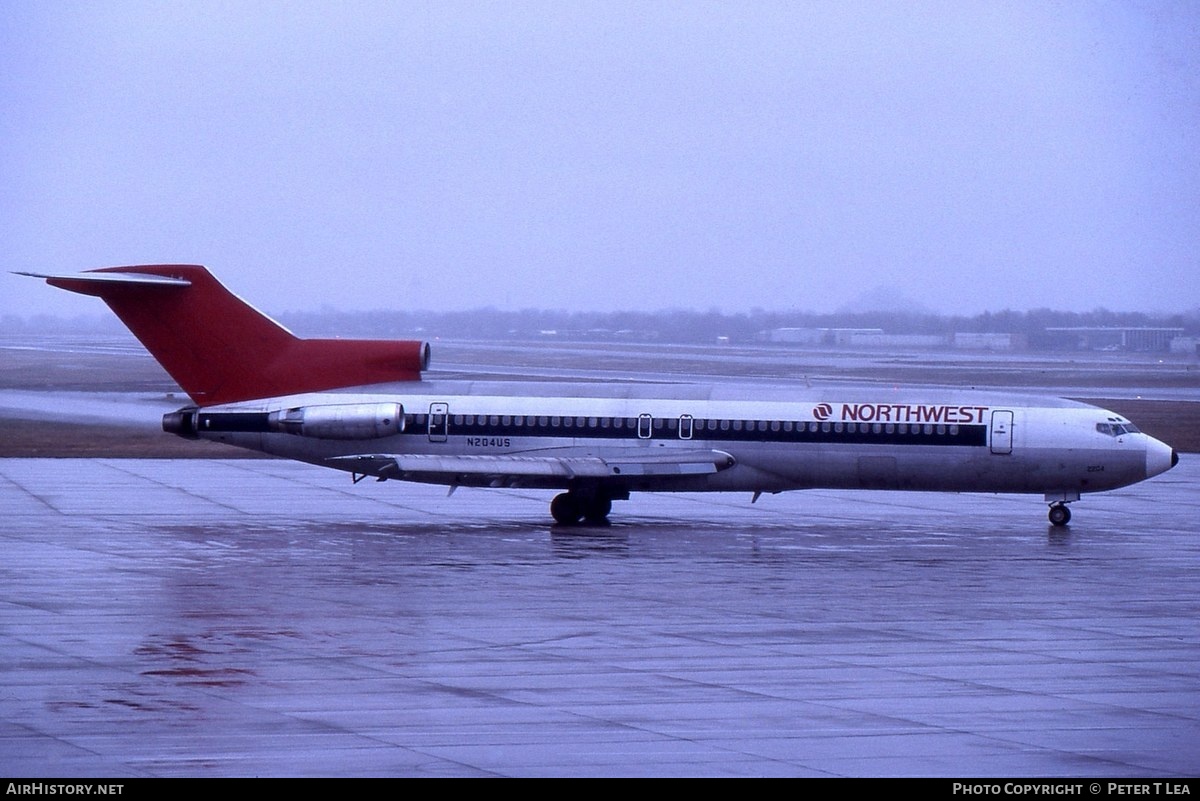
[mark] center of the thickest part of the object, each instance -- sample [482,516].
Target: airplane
[362,406]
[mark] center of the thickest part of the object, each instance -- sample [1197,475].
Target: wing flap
[455,468]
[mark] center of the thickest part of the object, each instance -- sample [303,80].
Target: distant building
[847,336]
[861,340]
[817,336]
[794,336]
[1189,346]
[1114,338]
[971,341]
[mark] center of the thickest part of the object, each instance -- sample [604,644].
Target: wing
[535,469]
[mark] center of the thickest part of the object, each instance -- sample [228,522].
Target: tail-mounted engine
[335,421]
[352,421]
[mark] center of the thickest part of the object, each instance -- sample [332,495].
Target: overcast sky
[598,156]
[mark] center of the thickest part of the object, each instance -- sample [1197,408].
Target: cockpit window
[1117,429]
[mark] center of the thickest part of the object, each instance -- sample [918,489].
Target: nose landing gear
[1060,515]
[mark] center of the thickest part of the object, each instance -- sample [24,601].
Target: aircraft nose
[1160,457]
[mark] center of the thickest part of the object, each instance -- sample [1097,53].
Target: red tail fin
[221,349]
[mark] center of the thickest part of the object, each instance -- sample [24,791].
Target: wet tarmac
[264,618]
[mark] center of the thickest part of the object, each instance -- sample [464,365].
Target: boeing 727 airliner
[362,406]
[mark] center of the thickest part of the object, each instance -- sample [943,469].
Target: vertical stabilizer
[221,349]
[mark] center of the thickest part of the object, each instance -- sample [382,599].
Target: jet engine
[334,421]
[343,421]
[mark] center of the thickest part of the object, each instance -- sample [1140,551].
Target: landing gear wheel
[1060,515]
[565,509]
[596,510]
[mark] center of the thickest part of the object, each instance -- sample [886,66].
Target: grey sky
[608,155]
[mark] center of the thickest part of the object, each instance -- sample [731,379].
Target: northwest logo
[822,411]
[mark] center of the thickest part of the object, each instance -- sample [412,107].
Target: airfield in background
[80,396]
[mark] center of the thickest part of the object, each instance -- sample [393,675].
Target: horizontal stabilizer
[129,279]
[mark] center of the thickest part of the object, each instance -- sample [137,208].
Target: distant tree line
[686,326]
[683,326]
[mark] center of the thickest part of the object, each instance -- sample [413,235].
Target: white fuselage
[774,440]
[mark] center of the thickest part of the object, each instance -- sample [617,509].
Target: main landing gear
[1060,515]
[569,508]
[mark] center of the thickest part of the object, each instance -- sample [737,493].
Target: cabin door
[439,421]
[1002,425]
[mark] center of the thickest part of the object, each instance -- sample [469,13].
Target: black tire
[1060,515]
[596,510]
[565,509]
